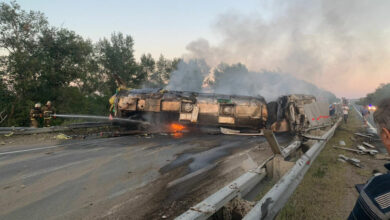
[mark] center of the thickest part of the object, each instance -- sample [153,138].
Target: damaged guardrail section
[276,198]
[240,187]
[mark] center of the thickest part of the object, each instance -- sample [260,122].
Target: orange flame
[177,129]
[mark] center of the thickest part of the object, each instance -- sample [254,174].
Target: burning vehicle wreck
[286,114]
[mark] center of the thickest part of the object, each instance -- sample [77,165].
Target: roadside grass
[327,191]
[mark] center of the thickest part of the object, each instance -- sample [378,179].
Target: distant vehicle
[371,107]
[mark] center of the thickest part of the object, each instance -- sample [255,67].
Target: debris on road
[342,143]
[371,152]
[350,160]
[369,137]
[369,145]
[62,137]
[9,134]
[228,131]
[349,149]
[364,135]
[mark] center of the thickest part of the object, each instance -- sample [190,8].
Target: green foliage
[382,92]
[40,63]
[116,57]
[225,71]
[157,73]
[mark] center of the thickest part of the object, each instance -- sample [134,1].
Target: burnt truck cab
[159,105]
[289,113]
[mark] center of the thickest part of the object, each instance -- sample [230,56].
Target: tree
[19,33]
[65,59]
[382,92]
[224,73]
[41,62]
[158,73]
[148,66]
[115,56]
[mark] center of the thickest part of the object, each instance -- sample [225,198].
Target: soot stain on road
[199,160]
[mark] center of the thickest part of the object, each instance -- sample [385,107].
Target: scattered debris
[369,145]
[364,135]
[164,217]
[349,149]
[62,137]
[370,137]
[237,132]
[371,152]
[2,143]
[350,160]
[352,139]
[235,209]
[342,143]
[9,134]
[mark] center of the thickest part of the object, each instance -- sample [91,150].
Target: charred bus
[160,105]
[286,114]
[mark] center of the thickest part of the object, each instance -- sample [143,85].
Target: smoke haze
[196,76]
[341,46]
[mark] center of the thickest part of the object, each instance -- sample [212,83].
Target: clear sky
[158,27]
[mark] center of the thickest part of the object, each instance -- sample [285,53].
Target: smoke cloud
[341,46]
[196,76]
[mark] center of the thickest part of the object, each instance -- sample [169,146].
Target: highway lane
[113,177]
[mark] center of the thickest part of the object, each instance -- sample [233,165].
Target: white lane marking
[48,170]
[28,150]
[55,146]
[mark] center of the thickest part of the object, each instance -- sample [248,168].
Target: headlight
[187,107]
[227,110]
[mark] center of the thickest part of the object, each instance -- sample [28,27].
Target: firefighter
[35,114]
[48,112]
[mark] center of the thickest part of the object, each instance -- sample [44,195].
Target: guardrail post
[270,136]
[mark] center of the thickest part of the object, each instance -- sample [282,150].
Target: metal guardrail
[239,187]
[29,130]
[276,198]
[372,129]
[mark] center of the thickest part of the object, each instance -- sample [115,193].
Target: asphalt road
[123,177]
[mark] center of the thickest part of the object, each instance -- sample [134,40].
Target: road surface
[129,177]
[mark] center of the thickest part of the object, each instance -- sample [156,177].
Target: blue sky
[158,27]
